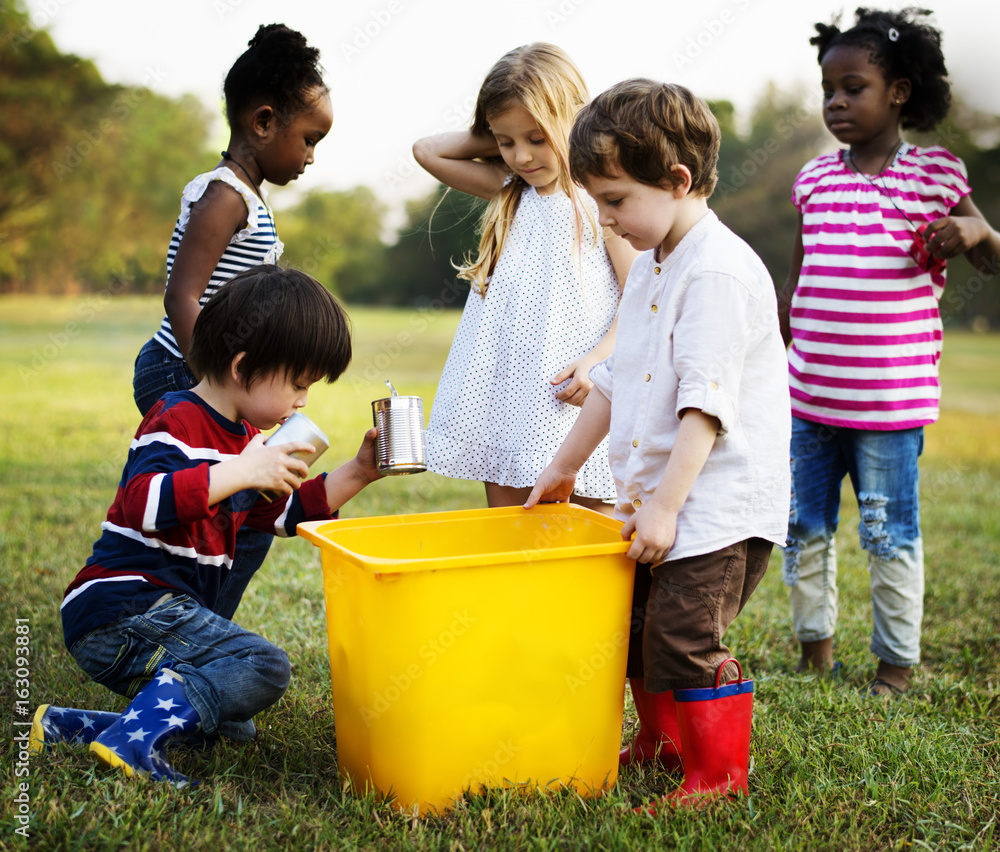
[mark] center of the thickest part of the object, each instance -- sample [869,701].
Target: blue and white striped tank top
[257,243]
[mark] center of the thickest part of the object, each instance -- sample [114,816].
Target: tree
[441,229]
[90,173]
[43,94]
[756,173]
[336,238]
[91,176]
[970,297]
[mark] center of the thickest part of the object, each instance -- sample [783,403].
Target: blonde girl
[545,286]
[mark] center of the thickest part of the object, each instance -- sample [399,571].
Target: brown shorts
[682,608]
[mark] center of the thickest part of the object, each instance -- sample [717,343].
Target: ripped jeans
[882,466]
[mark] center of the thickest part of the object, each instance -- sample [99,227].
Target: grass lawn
[831,770]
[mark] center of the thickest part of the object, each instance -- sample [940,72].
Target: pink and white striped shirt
[866,331]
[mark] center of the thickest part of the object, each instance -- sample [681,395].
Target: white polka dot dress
[495,417]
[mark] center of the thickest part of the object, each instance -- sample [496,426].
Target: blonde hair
[541,79]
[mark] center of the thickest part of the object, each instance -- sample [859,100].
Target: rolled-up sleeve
[710,399]
[710,339]
[601,375]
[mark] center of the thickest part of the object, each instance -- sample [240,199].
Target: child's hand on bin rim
[655,529]
[552,486]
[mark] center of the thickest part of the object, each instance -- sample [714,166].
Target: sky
[402,69]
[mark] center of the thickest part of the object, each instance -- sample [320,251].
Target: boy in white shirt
[695,397]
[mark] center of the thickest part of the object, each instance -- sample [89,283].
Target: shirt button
[654,309]
[714,385]
[637,502]
[635,443]
[647,377]
[656,270]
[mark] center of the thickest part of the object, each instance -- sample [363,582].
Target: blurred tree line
[89,190]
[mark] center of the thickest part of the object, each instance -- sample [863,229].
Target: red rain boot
[658,738]
[715,741]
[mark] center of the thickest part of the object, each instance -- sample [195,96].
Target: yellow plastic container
[477,648]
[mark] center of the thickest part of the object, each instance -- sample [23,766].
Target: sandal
[879,688]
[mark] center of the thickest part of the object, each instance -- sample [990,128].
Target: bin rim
[313,531]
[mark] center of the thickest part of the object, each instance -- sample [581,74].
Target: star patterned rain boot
[158,714]
[658,737]
[66,725]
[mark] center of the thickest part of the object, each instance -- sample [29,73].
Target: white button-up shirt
[700,330]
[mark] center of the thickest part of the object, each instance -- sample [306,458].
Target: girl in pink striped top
[878,220]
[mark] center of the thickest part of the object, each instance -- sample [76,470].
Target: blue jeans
[882,466]
[158,371]
[230,674]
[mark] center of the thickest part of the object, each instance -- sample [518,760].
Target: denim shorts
[230,674]
[158,371]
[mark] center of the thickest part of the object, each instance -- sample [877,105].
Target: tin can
[400,446]
[298,427]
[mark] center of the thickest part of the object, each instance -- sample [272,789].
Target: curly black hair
[902,45]
[278,68]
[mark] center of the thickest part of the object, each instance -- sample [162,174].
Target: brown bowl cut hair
[643,128]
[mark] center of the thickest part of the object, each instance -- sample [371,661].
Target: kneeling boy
[140,616]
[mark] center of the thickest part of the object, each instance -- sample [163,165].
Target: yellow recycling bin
[473,649]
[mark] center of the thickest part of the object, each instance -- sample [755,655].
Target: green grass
[831,769]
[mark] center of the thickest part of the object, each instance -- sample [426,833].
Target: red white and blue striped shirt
[866,331]
[257,243]
[160,534]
